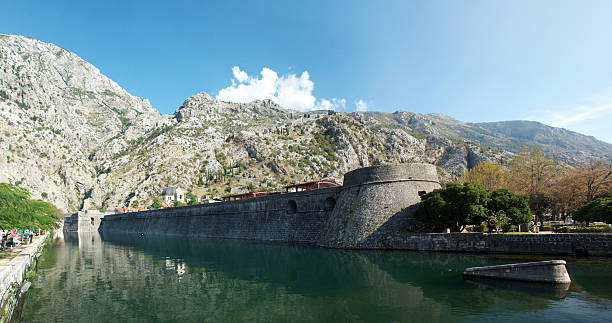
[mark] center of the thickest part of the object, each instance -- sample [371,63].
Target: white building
[170,194]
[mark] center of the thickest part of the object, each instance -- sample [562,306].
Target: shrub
[585,229]
[599,209]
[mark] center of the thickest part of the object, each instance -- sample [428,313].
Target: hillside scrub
[18,210]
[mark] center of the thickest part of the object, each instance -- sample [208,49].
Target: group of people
[13,238]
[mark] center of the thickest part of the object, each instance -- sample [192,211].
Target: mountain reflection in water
[88,278]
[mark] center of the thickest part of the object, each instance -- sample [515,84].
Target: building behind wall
[170,194]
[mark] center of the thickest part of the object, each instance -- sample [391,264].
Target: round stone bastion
[376,202]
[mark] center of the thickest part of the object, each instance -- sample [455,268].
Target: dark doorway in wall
[291,207]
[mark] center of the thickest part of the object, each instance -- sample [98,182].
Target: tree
[191,199]
[486,173]
[497,220]
[597,178]
[600,209]
[503,203]
[453,207]
[533,174]
[157,203]
[18,210]
[567,193]
[581,185]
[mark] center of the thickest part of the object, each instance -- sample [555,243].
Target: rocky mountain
[76,138]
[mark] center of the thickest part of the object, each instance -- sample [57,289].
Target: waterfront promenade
[13,270]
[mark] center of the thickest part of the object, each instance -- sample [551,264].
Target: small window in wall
[291,207]
[92,221]
[330,202]
[421,193]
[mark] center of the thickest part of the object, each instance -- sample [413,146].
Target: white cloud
[296,92]
[290,91]
[333,104]
[361,105]
[239,75]
[249,89]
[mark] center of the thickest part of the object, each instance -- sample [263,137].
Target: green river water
[87,278]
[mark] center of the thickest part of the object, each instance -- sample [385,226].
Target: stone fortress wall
[372,210]
[83,221]
[373,203]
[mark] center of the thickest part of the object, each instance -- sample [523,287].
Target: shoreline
[13,274]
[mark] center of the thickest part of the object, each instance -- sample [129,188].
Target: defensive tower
[375,202]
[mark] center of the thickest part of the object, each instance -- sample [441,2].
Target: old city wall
[373,203]
[83,221]
[373,210]
[291,217]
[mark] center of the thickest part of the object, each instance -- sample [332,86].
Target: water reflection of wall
[409,282]
[125,277]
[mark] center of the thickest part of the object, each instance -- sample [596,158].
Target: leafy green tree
[178,203]
[453,207]
[157,203]
[496,220]
[600,209]
[504,203]
[190,196]
[18,210]
[191,199]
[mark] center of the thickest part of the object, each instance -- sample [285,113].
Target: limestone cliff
[76,138]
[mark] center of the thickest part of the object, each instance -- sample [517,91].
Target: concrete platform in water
[550,271]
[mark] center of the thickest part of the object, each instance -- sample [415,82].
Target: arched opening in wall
[330,202]
[291,207]
[92,221]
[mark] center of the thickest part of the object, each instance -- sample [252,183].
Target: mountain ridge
[76,138]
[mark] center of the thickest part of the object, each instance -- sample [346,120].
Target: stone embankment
[579,244]
[13,272]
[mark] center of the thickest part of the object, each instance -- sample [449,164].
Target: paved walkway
[9,254]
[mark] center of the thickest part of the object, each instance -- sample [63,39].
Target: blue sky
[549,61]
